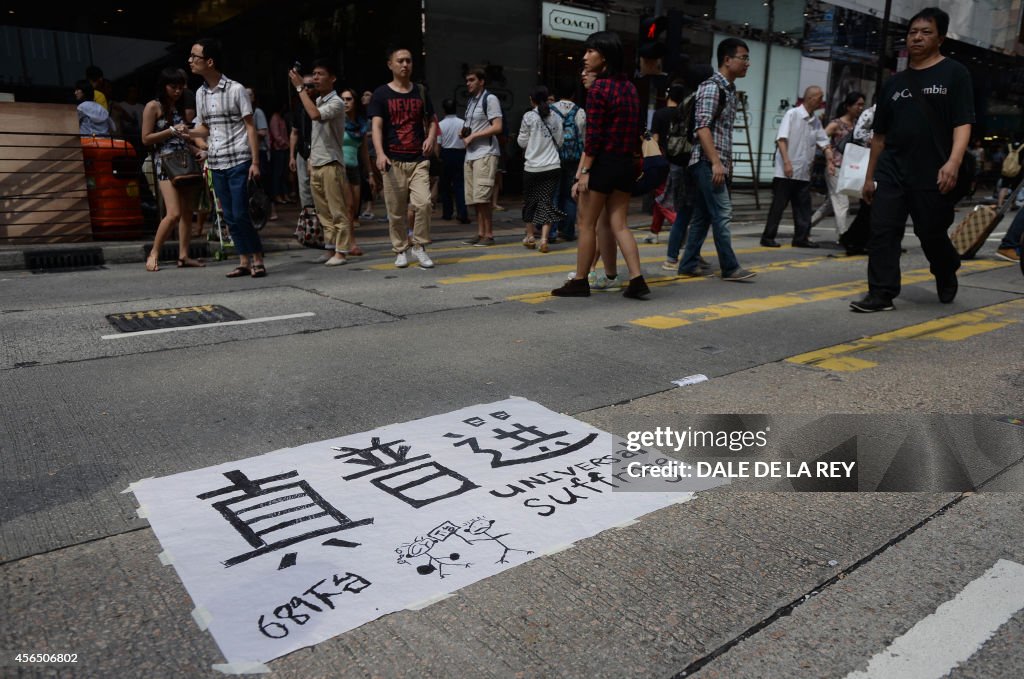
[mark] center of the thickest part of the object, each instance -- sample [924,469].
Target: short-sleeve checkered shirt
[704,110]
[221,110]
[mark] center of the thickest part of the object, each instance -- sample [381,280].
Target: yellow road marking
[755,305]
[949,329]
[660,281]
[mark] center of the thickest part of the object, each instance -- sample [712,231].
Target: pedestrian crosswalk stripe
[953,328]
[753,305]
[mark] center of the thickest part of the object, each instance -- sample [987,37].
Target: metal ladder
[743,152]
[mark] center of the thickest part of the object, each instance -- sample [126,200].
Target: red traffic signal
[652,37]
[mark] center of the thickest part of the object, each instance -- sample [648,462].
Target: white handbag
[853,170]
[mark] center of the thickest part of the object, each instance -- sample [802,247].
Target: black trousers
[932,214]
[785,191]
[856,237]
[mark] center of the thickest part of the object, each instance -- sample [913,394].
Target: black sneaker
[947,289]
[770,243]
[805,244]
[637,288]
[869,304]
[472,241]
[574,287]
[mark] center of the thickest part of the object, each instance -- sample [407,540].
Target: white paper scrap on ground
[290,548]
[690,379]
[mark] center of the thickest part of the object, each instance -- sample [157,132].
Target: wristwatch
[584,170]
[299,89]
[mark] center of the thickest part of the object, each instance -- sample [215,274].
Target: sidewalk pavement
[278,235]
[748,220]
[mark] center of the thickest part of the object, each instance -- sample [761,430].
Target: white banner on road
[290,548]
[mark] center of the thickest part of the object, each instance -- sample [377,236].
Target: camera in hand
[466,131]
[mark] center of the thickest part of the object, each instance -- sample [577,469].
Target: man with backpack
[483,125]
[574,126]
[710,163]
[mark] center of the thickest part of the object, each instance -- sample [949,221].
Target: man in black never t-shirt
[921,130]
[403,135]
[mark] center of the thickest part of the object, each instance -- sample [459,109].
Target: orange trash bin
[112,178]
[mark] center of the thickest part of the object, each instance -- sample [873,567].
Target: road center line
[266,319]
[956,630]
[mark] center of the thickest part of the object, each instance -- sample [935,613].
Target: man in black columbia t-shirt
[921,130]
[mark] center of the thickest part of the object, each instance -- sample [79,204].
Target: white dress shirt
[802,132]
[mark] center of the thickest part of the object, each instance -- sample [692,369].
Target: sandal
[259,271]
[529,242]
[356,251]
[239,271]
[543,245]
[152,263]
[188,262]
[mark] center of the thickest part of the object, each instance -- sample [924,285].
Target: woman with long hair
[540,134]
[357,157]
[606,175]
[839,129]
[165,130]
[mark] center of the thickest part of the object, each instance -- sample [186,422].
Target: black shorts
[612,172]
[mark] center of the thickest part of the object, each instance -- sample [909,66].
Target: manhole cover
[157,319]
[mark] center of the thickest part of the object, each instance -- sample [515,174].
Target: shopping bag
[853,170]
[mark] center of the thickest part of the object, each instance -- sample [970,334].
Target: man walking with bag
[921,130]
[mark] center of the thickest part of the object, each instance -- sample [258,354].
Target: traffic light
[652,37]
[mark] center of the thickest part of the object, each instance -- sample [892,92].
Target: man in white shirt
[483,124]
[798,135]
[453,155]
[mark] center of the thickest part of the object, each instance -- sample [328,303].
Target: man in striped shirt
[711,163]
[224,118]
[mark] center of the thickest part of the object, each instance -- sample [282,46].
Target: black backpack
[682,136]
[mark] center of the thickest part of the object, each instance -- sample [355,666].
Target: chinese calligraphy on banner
[290,548]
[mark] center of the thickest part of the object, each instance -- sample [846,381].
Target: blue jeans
[677,236]
[712,208]
[566,228]
[1013,236]
[232,187]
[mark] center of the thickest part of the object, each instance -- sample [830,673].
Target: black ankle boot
[574,287]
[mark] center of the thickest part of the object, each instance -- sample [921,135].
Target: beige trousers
[330,196]
[407,184]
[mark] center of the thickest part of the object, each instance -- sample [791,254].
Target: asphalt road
[734,583]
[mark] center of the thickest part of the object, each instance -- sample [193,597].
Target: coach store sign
[561,21]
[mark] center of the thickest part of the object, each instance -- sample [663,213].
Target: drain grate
[157,319]
[66,258]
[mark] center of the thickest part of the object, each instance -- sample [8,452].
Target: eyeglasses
[745,57]
[193,57]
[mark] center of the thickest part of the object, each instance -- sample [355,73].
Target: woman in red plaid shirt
[606,175]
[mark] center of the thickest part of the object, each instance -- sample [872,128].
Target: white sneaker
[402,260]
[336,260]
[367,216]
[651,238]
[599,281]
[322,259]
[421,254]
